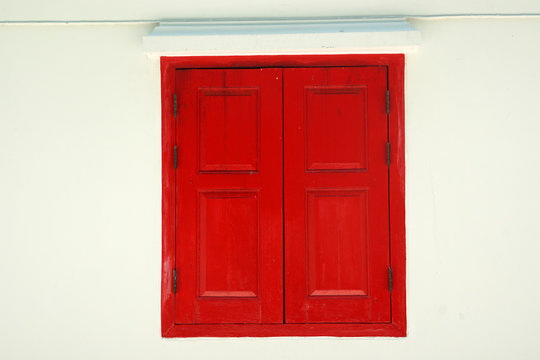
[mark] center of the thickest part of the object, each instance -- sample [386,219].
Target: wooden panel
[395,65]
[336,207]
[336,119]
[228,244]
[229,239]
[264,330]
[337,242]
[229,129]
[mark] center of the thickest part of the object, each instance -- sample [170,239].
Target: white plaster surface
[80,187]
[16,10]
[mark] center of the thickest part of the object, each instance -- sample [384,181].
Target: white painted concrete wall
[174,9]
[80,187]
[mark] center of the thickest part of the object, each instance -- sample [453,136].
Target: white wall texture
[17,10]
[80,192]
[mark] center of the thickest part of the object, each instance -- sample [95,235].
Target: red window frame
[395,70]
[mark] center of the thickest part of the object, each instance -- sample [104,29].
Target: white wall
[17,10]
[80,197]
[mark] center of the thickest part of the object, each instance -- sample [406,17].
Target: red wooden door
[336,195]
[229,240]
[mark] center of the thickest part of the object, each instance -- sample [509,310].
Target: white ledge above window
[285,36]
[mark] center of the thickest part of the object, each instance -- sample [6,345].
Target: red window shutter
[336,195]
[229,237]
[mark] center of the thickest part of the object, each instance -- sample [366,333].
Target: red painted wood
[228,263]
[336,213]
[334,115]
[258,61]
[264,330]
[336,238]
[229,192]
[396,76]
[168,133]
[229,129]
[395,66]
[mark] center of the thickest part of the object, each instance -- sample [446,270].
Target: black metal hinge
[390,278]
[388,153]
[175,156]
[175,106]
[174,281]
[387,102]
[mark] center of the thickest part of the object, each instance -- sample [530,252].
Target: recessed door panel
[229,129]
[336,122]
[337,242]
[228,244]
